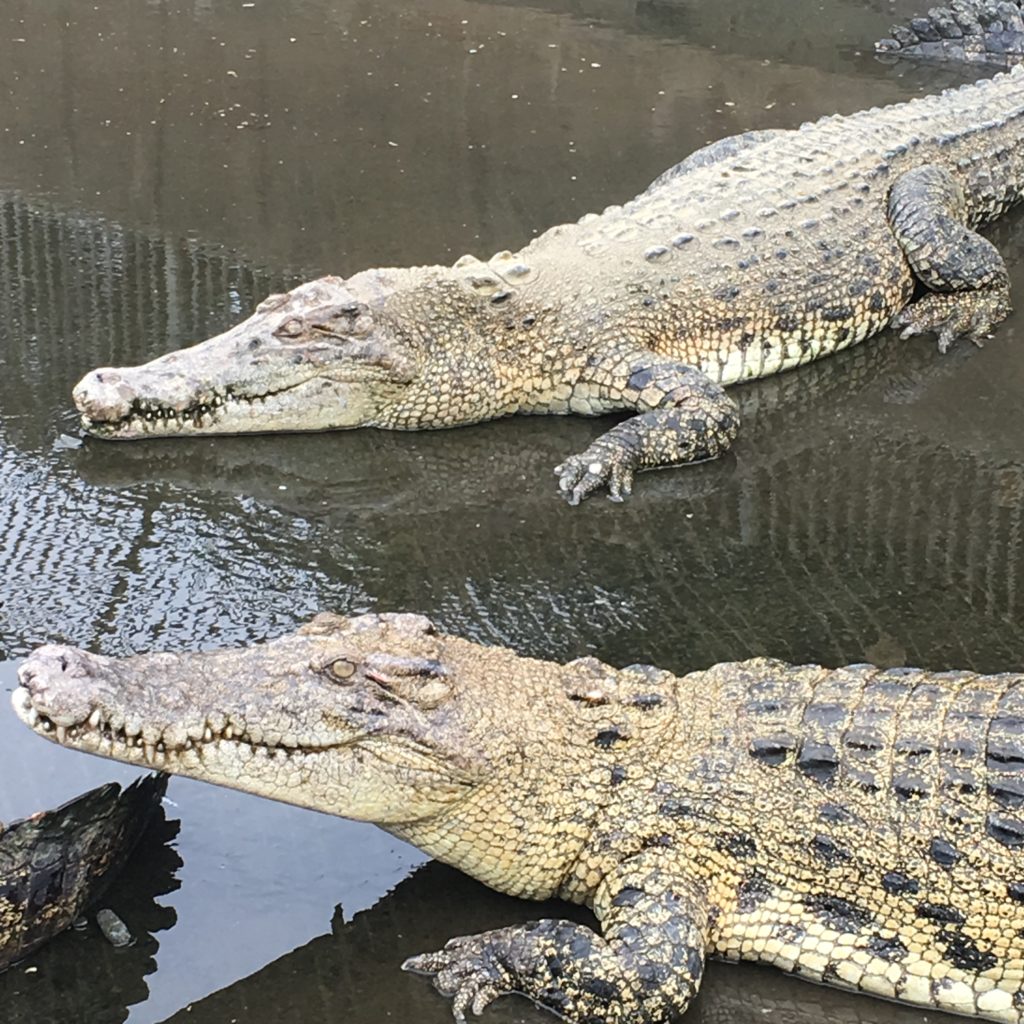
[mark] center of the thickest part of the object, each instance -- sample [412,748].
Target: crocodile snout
[104,396]
[57,683]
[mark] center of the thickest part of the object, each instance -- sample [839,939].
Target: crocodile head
[375,718]
[324,356]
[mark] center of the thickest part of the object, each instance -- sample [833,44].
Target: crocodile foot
[953,315]
[470,970]
[581,475]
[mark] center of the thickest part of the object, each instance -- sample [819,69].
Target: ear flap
[422,682]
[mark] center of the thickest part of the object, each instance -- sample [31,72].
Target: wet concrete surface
[165,167]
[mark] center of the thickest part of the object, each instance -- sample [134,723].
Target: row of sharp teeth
[152,413]
[154,753]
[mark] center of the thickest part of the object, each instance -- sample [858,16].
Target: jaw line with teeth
[146,412]
[94,735]
[143,412]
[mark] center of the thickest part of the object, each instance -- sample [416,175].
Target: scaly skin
[970,31]
[756,254]
[56,863]
[857,827]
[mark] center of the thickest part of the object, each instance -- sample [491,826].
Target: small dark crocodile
[56,863]
[758,253]
[858,827]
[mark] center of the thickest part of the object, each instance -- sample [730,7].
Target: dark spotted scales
[855,826]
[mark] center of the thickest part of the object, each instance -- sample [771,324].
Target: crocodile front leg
[969,283]
[645,969]
[684,417]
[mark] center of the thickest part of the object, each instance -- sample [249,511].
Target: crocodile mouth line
[98,735]
[150,414]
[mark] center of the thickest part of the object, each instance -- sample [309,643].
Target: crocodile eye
[291,328]
[341,668]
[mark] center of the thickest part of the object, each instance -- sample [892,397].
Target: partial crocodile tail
[972,31]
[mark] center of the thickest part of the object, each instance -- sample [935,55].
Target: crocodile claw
[468,971]
[581,475]
[970,315]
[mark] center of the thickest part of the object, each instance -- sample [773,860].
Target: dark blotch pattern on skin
[898,884]
[940,912]
[818,761]
[828,851]
[738,845]
[772,750]
[1005,830]
[943,852]
[835,814]
[838,913]
[890,949]
[607,738]
[963,952]
[648,701]
[754,890]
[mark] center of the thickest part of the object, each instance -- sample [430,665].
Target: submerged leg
[645,969]
[684,417]
[969,283]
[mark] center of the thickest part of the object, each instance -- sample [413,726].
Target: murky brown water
[164,167]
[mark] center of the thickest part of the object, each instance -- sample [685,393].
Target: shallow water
[166,166]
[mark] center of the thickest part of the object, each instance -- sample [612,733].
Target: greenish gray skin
[759,253]
[56,863]
[856,827]
[967,31]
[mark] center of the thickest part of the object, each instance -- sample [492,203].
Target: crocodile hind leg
[683,417]
[645,969]
[968,280]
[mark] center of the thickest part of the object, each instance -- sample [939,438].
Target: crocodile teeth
[149,752]
[62,733]
[95,718]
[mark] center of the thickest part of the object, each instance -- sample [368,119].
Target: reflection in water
[872,507]
[79,976]
[352,973]
[843,527]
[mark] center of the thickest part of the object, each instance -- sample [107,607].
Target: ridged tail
[968,31]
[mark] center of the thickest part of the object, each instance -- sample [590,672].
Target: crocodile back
[886,832]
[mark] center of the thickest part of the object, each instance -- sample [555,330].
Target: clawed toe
[465,971]
[579,477]
[953,315]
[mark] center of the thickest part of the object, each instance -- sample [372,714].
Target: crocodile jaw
[66,696]
[312,359]
[313,405]
[269,720]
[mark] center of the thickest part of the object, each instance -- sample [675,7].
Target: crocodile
[756,254]
[56,863]
[855,826]
[967,31]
